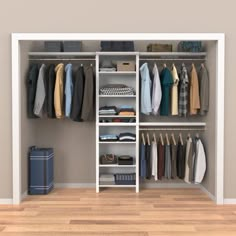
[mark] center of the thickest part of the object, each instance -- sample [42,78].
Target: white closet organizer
[77,145]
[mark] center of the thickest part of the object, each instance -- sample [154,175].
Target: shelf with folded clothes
[117,142]
[118,73]
[117,186]
[117,165]
[116,89]
[117,96]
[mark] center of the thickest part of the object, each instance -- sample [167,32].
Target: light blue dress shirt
[68,89]
[146,106]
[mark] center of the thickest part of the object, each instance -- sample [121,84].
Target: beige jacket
[174,92]
[59,91]
[194,92]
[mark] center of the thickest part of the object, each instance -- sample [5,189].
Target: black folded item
[116,46]
[127,137]
[125,160]
[126,110]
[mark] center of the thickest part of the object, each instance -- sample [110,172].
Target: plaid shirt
[183,91]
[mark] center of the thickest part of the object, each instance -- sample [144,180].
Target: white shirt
[154,160]
[156,91]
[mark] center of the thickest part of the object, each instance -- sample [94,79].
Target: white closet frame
[16,93]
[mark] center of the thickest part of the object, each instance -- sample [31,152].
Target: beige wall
[122,16]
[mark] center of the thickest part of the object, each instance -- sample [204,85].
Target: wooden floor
[175,212]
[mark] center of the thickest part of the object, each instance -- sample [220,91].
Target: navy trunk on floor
[40,170]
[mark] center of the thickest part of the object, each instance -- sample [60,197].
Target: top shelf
[63,54]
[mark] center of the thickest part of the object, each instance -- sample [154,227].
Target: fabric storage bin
[159,47]
[72,46]
[190,46]
[125,179]
[125,160]
[116,46]
[125,66]
[40,167]
[53,46]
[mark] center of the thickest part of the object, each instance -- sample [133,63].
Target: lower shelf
[116,186]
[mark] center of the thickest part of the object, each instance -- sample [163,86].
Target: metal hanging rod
[62,59]
[172,129]
[172,59]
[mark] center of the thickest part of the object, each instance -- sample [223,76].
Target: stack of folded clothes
[116,89]
[108,110]
[126,111]
[107,179]
[127,137]
[125,120]
[108,138]
[107,66]
[125,160]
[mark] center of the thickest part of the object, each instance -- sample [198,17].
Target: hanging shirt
[156,91]
[183,91]
[174,92]
[59,91]
[161,160]
[167,162]
[194,92]
[188,156]
[51,77]
[200,162]
[154,160]
[204,90]
[40,92]
[166,83]
[180,161]
[148,162]
[146,106]
[31,83]
[78,94]
[88,100]
[68,89]
[173,161]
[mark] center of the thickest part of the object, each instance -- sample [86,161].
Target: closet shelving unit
[119,148]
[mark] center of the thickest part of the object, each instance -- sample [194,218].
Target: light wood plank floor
[175,212]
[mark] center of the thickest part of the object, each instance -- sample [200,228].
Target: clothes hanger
[154,137]
[189,135]
[181,139]
[143,139]
[167,139]
[162,142]
[202,65]
[148,139]
[164,65]
[197,135]
[173,138]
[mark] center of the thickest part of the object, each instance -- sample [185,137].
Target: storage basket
[190,46]
[53,46]
[159,47]
[125,179]
[125,66]
[72,46]
[117,46]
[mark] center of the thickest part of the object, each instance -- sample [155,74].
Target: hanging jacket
[166,83]
[146,106]
[183,91]
[180,161]
[88,99]
[154,159]
[173,161]
[167,162]
[204,90]
[40,92]
[59,91]
[68,89]
[78,94]
[51,77]
[31,84]
[174,91]
[156,91]
[194,92]
[200,162]
[142,164]
[148,162]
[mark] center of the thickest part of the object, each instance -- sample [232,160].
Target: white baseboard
[168,185]
[74,185]
[24,195]
[6,201]
[230,201]
[210,195]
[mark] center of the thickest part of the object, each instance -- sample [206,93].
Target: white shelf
[119,166]
[175,54]
[117,124]
[61,54]
[116,116]
[116,186]
[117,142]
[117,96]
[117,53]
[117,72]
[173,124]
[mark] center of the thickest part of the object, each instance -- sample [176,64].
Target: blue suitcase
[40,170]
